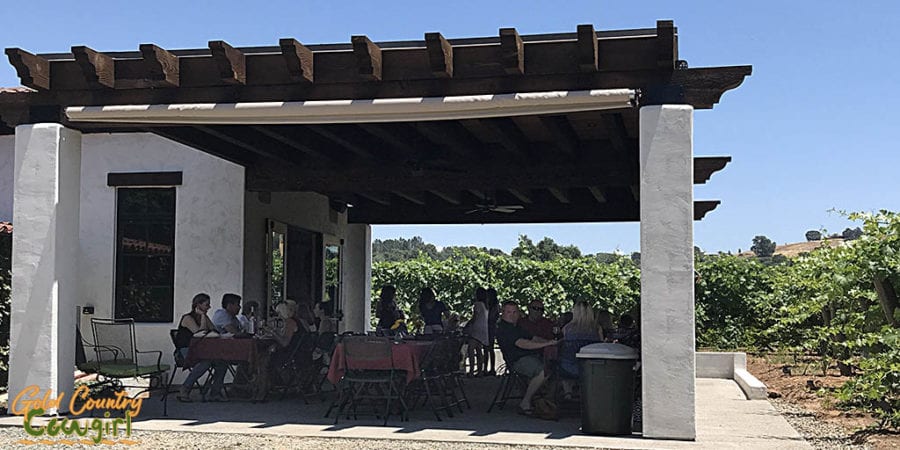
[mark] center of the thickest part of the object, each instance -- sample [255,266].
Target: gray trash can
[607,388]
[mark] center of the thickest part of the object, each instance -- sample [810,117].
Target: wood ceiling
[575,167]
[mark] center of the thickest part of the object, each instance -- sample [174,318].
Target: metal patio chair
[118,358]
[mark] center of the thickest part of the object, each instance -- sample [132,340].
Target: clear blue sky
[813,129]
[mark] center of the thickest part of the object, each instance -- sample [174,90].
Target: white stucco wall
[7,164]
[209,224]
[357,267]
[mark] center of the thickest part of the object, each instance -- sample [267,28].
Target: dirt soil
[804,384]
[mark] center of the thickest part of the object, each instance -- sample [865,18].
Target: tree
[545,250]
[525,249]
[851,234]
[813,235]
[402,249]
[763,247]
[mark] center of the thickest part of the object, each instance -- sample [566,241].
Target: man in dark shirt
[521,351]
[536,323]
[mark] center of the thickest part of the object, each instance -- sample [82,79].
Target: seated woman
[197,323]
[581,331]
[324,322]
[277,354]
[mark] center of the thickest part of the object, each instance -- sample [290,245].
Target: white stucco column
[45,258]
[357,283]
[667,267]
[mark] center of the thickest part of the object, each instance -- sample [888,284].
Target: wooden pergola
[563,167]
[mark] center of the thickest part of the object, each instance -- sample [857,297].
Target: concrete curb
[733,366]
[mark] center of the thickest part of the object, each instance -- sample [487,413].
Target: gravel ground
[9,437]
[819,434]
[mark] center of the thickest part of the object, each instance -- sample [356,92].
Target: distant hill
[794,250]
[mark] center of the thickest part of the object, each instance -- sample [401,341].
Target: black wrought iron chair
[431,386]
[512,387]
[180,363]
[454,372]
[364,386]
[118,358]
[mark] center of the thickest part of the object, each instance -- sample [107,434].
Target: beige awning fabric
[359,111]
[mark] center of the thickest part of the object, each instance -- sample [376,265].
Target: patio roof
[553,165]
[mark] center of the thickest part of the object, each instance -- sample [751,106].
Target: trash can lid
[607,351]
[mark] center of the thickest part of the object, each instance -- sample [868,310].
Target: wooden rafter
[414,197]
[559,194]
[230,62]
[236,139]
[368,58]
[161,65]
[98,69]
[291,142]
[341,139]
[512,51]
[597,193]
[666,45]
[451,197]
[33,71]
[440,55]
[375,197]
[520,195]
[564,138]
[587,49]
[298,59]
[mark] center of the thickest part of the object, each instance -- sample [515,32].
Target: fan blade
[504,210]
[510,206]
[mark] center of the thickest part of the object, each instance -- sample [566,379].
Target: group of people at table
[233,321]
[522,339]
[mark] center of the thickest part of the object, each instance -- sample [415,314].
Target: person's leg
[478,350]
[196,372]
[491,355]
[217,385]
[532,368]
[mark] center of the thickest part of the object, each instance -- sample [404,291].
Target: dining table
[405,355]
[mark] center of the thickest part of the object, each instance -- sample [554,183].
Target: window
[145,254]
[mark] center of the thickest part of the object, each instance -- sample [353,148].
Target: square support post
[357,282]
[667,271]
[46,206]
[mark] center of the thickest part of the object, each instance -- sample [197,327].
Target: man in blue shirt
[225,319]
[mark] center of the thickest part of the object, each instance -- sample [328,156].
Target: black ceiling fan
[488,206]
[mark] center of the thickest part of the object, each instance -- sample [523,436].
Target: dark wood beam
[201,141]
[298,59]
[587,49]
[524,198]
[230,62]
[588,211]
[703,207]
[98,69]
[440,55]
[239,138]
[615,129]
[597,193]
[449,135]
[559,194]
[706,166]
[508,134]
[278,133]
[666,45]
[375,197]
[401,140]
[486,175]
[162,67]
[512,51]
[564,137]
[120,179]
[413,197]
[451,197]
[368,58]
[339,138]
[33,71]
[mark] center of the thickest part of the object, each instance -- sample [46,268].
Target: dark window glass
[145,254]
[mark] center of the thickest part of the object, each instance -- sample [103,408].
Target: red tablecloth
[223,349]
[406,356]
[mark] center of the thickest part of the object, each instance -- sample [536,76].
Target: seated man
[536,323]
[521,351]
[225,319]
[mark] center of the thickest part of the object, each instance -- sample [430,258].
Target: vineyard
[836,305]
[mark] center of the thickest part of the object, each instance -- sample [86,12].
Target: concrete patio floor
[724,420]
